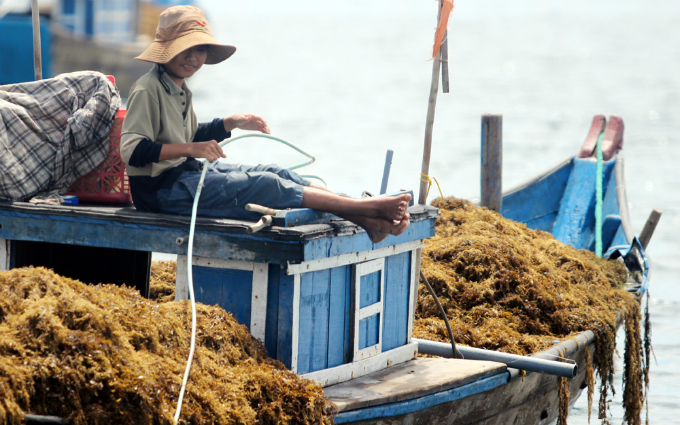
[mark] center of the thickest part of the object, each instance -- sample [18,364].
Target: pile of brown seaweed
[162,281]
[105,355]
[508,288]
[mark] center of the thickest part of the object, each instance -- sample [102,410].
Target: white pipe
[567,370]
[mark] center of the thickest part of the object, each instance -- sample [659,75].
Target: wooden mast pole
[429,122]
[37,58]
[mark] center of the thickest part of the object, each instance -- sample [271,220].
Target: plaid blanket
[53,131]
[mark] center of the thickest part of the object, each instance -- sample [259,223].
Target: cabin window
[368,289]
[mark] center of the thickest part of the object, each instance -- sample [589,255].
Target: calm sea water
[348,80]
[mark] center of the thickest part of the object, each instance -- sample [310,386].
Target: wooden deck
[410,380]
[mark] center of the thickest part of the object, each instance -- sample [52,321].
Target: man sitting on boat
[161,140]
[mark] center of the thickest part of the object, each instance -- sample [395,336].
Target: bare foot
[379,228]
[386,207]
[389,207]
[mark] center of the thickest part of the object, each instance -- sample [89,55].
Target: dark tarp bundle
[53,131]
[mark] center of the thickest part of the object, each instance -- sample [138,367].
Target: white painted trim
[5,249]
[349,371]
[413,291]
[352,258]
[181,284]
[358,313]
[258,303]
[295,337]
[370,310]
[370,267]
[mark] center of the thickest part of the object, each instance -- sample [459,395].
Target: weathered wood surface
[650,226]
[37,58]
[487,401]
[408,381]
[492,161]
[126,228]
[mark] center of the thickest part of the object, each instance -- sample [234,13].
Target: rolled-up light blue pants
[227,189]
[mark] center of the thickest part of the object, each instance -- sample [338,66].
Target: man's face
[185,64]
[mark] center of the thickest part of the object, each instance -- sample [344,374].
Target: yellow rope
[429,184]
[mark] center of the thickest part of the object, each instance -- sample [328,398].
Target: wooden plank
[296,324]
[348,340]
[369,292]
[289,301]
[305,341]
[419,407]
[650,225]
[397,295]
[222,264]
[369,339]
[414,279]
[358,241]
[410,380]
[352,370]
[272,324]
[351,258]
[221,241]
[489,400]
[492,161]
[181,283]
[88,232]
[301,216]
[258,304]
[338,330]
[114,215]
[320,319]
[230,289]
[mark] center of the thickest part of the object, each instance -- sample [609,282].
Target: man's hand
[246,122]
[209,150]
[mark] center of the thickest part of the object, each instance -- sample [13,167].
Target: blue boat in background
[561,201]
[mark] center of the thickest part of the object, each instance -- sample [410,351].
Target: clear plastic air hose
[190,251]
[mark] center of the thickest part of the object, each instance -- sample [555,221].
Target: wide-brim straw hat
[181,28]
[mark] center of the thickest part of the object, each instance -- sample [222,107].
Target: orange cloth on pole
[447,7]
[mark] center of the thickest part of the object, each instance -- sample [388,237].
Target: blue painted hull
[560,201]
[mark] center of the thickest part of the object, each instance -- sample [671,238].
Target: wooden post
[429,124]
[445,63]
[650,225]
[37,58]
[492,161]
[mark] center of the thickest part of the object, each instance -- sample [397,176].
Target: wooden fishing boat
[331,305]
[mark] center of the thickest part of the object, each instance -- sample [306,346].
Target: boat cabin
[324,300]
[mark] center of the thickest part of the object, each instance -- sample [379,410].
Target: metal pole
[492,161]
[386,171]
[567,370]
[37,60]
